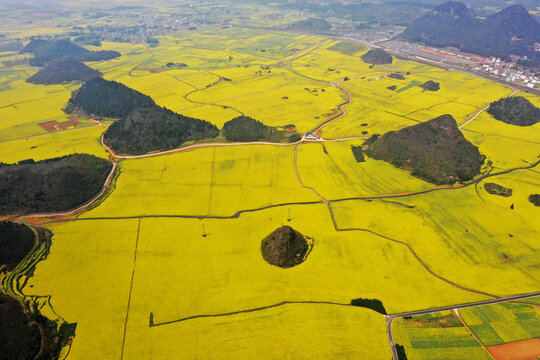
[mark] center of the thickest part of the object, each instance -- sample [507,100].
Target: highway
[391,317]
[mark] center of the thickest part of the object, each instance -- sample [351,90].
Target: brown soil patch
[55,125]
[433,52]
[518,350]
[285,247]
[50,125]
[152,70]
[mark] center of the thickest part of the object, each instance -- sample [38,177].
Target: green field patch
[503,323]
[431,321]
[346,48]
[487,334]
[410,85]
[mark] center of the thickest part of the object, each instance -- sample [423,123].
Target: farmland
[168,264]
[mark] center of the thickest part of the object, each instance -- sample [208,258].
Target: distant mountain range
[511,31]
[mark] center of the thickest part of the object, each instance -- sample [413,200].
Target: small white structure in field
[310,136]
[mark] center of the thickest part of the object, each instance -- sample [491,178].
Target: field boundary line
[130,288]
[261,308]
[409,247]
[456,312]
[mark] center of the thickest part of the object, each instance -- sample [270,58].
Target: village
[509,71]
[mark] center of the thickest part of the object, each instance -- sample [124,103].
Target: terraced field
[168,264]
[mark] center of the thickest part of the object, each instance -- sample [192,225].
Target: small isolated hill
[435,151]
[51,185]
[152,128]
[496,189]
[430,85]
[63,70]
[48,50]
[311,24]
[515,111]
[285,247]
[510,31]
[377,57]
[246,129]
[107,98]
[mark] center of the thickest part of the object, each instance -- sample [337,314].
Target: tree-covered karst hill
[107,98]
[435,151]
[48,50]
[63,70]
[245,129]
[510,31]
[311,24]
[515,110]
[377,57]
[430,85]
[285,247]
[143,126]
[51,185]
[152,128]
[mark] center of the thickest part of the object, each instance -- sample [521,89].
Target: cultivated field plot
[218,181]
[506,145]
[503,323]
[46,146]
[437,336]
[332,170]
[24,106]
[507,331]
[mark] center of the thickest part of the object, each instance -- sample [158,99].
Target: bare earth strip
[518,350]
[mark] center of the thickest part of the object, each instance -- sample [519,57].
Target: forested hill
[377,57]
[48,50]
[107,98]
[510,31]
[311,24]
[435,151]
[143,126]
[515,110]
[51,185]
[62,70]
[152,128]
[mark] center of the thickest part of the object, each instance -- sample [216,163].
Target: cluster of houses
[508,71]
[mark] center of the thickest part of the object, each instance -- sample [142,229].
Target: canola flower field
[168,264]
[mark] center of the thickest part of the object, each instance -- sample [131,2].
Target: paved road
[391,317]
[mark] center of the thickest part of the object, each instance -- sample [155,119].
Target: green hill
[435,151]
[515,110]
[107,98]
[245,129]
[63,70]
[311,24]
[51,185]
[377,57]
[152,128]
[510,31]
